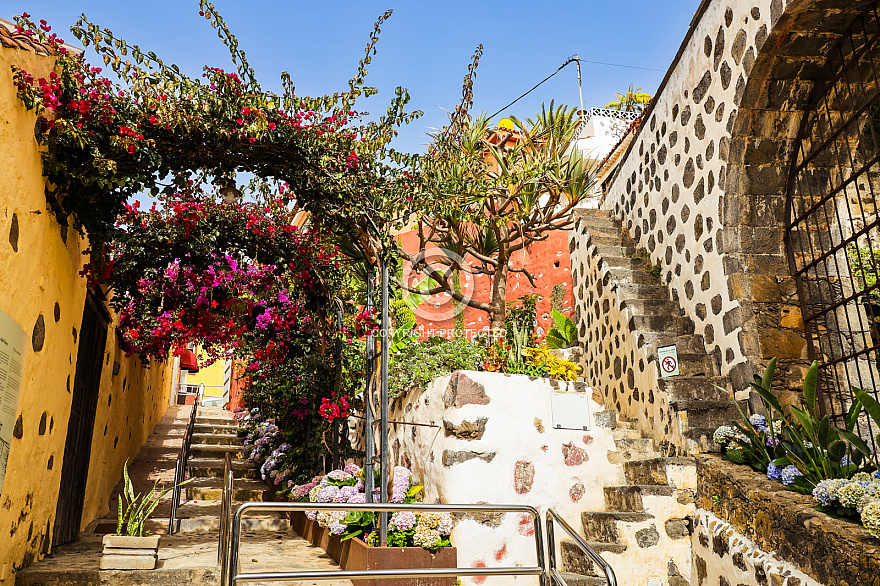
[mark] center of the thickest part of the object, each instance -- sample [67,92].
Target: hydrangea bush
[405,528]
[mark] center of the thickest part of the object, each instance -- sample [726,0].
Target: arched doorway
[832,223]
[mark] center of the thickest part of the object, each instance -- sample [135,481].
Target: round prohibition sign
[669,364]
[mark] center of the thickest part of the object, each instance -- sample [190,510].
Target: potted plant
[132,547]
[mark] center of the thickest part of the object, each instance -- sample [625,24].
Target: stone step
[640,444]
[637,276]
[576,561]
[572,579]
[602,526]
[590,213]
[617,249]
[209,420]
[684,343]
[214,451]
[204,517]
[629,497]
[213,468]
[626,433]
[651,306]
[599,238]
[219,439]
[692,364]
[625,262]
[708,413]
[630,291]
[203,489]
[680,389]
[210,429]
[666,324]
[651,471]
[602,222]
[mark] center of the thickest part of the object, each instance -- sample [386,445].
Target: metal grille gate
[833,222]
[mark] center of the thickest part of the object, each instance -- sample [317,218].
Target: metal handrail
[180,466]
[555,576]
[225,510]
[230,575]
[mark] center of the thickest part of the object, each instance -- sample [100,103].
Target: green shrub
[423,362]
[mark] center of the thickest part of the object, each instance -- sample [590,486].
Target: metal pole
[369,431]
[383,423]
[338,351]
[580,90]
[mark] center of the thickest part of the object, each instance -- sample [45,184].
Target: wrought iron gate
[833,222]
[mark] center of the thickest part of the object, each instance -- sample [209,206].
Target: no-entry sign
[668,357]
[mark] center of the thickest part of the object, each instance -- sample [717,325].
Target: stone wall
[702,184]
[742,517]
[495,442]
[41,290]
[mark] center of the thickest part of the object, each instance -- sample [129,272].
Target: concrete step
[204,516]
[210,429]
[651,471]
[602,526]
[576,561]
[666,324]
[602,222]
[203,489]
[219,439]
[214,451]
[213,468]
[626,433]
[705,414]
[629,497]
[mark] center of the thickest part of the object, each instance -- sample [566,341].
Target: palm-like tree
[632,101]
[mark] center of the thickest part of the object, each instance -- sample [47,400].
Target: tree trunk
[499,284]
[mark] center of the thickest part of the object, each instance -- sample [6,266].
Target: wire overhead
[572,59]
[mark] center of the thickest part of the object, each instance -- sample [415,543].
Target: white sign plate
[12,352]
[570,411]
[668,357]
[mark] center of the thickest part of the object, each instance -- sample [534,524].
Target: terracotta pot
[122,552]
[354,554]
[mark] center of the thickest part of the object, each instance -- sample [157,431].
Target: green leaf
[736,456]
[824,431]
[853,415]
[837,450]
[767,381]
[869,403]
[857,442]
[811,382]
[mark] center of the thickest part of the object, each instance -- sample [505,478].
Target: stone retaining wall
[742,517]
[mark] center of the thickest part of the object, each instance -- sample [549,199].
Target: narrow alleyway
[190,555]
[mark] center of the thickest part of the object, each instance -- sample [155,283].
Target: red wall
[547,261]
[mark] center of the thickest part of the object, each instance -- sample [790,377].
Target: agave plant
[134,514]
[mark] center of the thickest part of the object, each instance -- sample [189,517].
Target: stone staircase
[643,531]
[682,412]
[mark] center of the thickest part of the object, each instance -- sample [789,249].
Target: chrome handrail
[180,466]
[557,579]
[225,510]
[230,575]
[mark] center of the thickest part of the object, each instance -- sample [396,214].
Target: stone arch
[770,105]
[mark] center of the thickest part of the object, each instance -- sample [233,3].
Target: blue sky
[425,46]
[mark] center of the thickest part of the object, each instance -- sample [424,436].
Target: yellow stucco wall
[211,376]
[43,273]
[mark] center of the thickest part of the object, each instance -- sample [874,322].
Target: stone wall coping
[832,551]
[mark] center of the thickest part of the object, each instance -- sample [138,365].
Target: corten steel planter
[354,554]
[122,552]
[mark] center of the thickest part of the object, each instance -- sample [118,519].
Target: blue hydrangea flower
[774,472]
[789,473]
[758,422]
[821,494]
